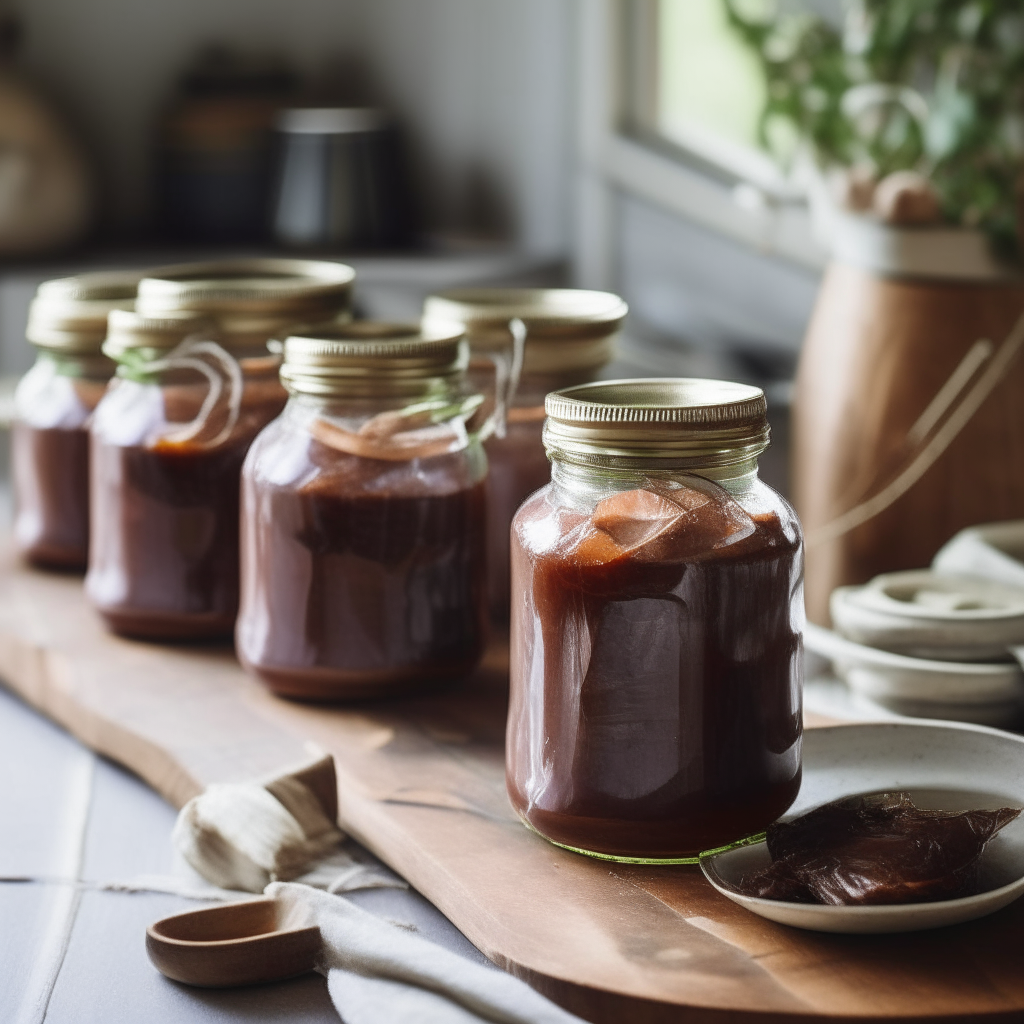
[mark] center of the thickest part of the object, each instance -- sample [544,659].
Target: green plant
[931,85]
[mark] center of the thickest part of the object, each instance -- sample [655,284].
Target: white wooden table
[71,953]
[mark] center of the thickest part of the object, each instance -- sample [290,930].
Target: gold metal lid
[568,329]
[69,314]
[370,357]
[673,422]
[130,330]
[250,300]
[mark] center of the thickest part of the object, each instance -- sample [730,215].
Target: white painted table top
[70,815]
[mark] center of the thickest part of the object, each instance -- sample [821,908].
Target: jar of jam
[363,521]
[657,616]
[196,383]
[570,336]
[54,402]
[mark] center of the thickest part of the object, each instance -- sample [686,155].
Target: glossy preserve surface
[50,466]
[164,559]
[655,665]
[876,849]
[360,575]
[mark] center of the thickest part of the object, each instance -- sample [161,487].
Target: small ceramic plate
[949,766]
[987,694]
[927,614]
[832,698]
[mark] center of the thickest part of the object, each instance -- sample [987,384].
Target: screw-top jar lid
[69,314]
[659,422]
[368,357]
[131,330]
[250,300]
[568,329]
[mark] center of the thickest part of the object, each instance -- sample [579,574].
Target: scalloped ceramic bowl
[932,615]
[949,766]
[978,692]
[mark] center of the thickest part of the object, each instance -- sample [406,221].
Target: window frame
[616,154]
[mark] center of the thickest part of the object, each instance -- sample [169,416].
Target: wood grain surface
[877,352]
[421,783]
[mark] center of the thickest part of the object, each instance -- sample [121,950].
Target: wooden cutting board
[421,783]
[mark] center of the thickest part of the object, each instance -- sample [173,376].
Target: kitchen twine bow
[188,355]
[506,380]
[931,450]
[435,426]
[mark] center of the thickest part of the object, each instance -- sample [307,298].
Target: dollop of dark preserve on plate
[873,850]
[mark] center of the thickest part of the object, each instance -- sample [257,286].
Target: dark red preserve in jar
[363,559]
[570,335]
[53,405]
[196,383]
[657,620]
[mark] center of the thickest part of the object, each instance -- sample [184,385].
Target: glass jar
[53,404]
[363,520]
[657,616]
[196,383]
[570,337]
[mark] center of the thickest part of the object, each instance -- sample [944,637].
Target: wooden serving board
[421,783]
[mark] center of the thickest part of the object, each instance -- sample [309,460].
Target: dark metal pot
[341,181]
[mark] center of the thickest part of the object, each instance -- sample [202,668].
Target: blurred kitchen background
[598,143]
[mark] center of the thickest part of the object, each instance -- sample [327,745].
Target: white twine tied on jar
[507,372]
[436,426]
[187,356]
[931,443]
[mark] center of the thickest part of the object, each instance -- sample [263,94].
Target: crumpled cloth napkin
[259,836]
[282,828]
[378,973]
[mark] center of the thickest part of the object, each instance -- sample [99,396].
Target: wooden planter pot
[878,350]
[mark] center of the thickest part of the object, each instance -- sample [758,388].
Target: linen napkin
[243,836]
[258,836]
[377,973]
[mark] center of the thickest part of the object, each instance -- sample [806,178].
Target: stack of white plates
[979,692]
[941,643]
[926,614]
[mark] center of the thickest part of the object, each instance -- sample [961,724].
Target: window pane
[709,83]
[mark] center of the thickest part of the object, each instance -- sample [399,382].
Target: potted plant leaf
[907,118]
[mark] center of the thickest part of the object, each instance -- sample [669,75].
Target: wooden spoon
[244,943]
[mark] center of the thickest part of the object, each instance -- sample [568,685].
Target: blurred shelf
[388,285]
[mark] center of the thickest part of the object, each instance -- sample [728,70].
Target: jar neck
[582,480]
[390,429]
[70,364]
[373,400]
[456,407]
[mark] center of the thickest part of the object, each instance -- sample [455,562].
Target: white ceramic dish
[926,614]
[832,698]
[945,765]
[994,552]
[985,694]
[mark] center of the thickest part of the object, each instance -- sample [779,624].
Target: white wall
[486,86]
[691,284]
[482,86]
